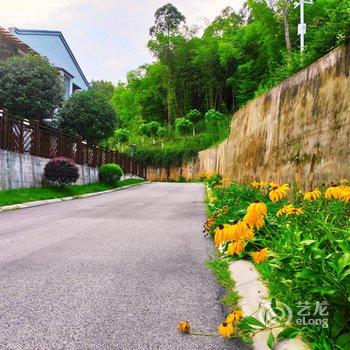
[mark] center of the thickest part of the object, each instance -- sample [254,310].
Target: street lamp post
[302,24]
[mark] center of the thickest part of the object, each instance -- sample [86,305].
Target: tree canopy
[30,87]
[88,114]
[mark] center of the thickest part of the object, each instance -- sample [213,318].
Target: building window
[76,88]
[67,84]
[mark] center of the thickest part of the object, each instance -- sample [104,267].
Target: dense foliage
[301,249]
[30,87]
[61,171]
[88,114]
[237,57]
[110,173]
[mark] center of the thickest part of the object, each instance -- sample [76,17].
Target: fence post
[79,156]
[4,142]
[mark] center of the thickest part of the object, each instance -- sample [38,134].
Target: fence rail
[24,136]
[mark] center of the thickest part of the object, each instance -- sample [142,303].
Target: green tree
[105,87]
[167,22]
[30,87]
[88,114]
[194,115]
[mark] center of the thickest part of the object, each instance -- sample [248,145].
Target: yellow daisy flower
[226,329]
[312,194]
[260,255]
[184,327]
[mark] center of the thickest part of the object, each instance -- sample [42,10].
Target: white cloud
[108,37]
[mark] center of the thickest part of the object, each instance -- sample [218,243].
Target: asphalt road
[116,271]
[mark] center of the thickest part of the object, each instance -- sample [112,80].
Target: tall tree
[167,23]
[282,8]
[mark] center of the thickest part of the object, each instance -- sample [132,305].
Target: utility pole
[302,24]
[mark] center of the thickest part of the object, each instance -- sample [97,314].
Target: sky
[108,37]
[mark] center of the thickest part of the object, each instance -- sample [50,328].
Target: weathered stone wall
[299,131]
[188,171]
[23,170]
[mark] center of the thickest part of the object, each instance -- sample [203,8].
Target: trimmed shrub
[110,173]
[183,126]
[61,171]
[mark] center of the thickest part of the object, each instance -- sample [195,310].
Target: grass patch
[220,270]
[24,195]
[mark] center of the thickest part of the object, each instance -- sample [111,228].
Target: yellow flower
[338,192]
[254,220]
[289,210]
[256,184]
[226,329]
[345,194]
[184,327]
[260,255]
[257,208]
[234,316]
[332,192]
[312,194]
[278,192]
[219,235]
[239,230]
[236,247]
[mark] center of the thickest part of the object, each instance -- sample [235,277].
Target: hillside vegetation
[182,102]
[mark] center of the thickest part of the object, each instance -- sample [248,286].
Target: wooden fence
[24,136]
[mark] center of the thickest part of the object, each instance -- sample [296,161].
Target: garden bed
[300,246]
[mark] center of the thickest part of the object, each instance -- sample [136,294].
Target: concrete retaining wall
[23,170]
[298,132]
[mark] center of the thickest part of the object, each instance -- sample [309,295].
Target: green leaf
[244,327]
[343,341]
[247,340]
[288,333]
[344,261]
[252,321]
[307,242]
[270,340]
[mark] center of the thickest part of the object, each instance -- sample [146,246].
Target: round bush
[61,171]
[110,173]
[183,126]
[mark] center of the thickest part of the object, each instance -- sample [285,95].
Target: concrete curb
[254,294]
[56,200]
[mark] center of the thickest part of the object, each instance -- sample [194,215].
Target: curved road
[115,271]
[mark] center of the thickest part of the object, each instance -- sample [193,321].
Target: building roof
[13,39]
[53,45]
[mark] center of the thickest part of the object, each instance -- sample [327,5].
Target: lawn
[23,195]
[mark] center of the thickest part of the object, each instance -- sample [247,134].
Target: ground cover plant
[299,243]
[24,195]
